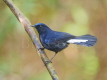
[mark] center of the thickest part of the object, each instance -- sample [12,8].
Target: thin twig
[27,25]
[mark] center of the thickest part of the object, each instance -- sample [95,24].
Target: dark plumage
[57,41]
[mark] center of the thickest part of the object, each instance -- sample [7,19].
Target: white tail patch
[76,40]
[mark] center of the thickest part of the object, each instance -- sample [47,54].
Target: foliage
[18,60]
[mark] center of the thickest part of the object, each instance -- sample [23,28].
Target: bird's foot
[47,62]
[41,48]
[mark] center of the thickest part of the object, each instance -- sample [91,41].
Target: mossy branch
[27,26]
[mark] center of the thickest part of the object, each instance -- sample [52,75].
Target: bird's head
[41,28]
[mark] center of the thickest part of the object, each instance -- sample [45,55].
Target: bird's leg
[50,59]
[53,56]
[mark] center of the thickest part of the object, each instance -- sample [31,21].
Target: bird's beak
[32,25]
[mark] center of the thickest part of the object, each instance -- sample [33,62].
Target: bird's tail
[85,40]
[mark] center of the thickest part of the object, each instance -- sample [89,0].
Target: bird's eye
[40,26]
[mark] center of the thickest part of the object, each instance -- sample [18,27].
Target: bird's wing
[58,38]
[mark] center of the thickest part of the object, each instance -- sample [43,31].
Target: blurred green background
[18,57]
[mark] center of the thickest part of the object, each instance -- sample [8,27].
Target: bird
[57,41]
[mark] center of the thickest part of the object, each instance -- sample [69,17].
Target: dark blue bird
[57,41]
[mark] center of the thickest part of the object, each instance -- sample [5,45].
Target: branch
[27,26]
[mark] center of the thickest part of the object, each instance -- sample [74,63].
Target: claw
[47,62]
[41,48]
